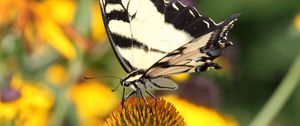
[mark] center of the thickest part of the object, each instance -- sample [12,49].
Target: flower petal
[97,27]
[198,115]
[297,22]
[55,37]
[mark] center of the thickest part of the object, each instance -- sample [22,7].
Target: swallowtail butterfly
[153,39]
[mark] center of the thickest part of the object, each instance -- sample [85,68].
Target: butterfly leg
[144,83]
[145,100]
[127,96]
[150,94]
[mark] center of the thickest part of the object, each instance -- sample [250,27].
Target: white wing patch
[143,62]
[149,27]
[120,27]
[113,7]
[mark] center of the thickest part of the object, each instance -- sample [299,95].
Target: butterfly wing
[114,10]
[159,84]
[195,56]
[141,32]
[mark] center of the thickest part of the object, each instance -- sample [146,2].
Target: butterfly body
[153,39]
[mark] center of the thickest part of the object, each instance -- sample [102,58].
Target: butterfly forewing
[144,31]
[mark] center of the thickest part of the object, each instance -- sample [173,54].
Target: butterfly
[153,39]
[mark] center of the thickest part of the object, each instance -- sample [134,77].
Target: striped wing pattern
[148,33]
[195,56]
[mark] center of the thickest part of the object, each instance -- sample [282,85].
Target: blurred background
[48,46]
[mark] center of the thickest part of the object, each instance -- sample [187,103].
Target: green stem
[83,16]
[280,96]
[60,109]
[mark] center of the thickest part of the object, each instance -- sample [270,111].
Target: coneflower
[157,113]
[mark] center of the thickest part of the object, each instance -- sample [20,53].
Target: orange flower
[157,113]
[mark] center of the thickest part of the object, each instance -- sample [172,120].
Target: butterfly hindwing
[195,56]
[161,83]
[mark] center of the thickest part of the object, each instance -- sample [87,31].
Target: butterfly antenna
[113,90]
[116,77]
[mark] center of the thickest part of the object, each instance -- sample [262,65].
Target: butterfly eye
[125,83]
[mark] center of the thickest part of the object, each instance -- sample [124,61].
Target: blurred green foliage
[266,43]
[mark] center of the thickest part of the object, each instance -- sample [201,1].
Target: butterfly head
[125,83]
[131,79]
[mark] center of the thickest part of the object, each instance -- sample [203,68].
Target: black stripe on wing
[200,26]
[160,5]
[113,1]
[172,10]
[124,42]
[128,43]
[188,19]
[118,15]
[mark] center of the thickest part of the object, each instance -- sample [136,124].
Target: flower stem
[280,96]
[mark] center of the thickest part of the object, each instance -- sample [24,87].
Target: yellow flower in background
[35,106]
[61,11]
[198,115]
[55,37]
[297,21]
[9,103]
[32,107]
[180,77]
[41,21]
[97,26]
[92,100]
[57,74]
[5,18]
